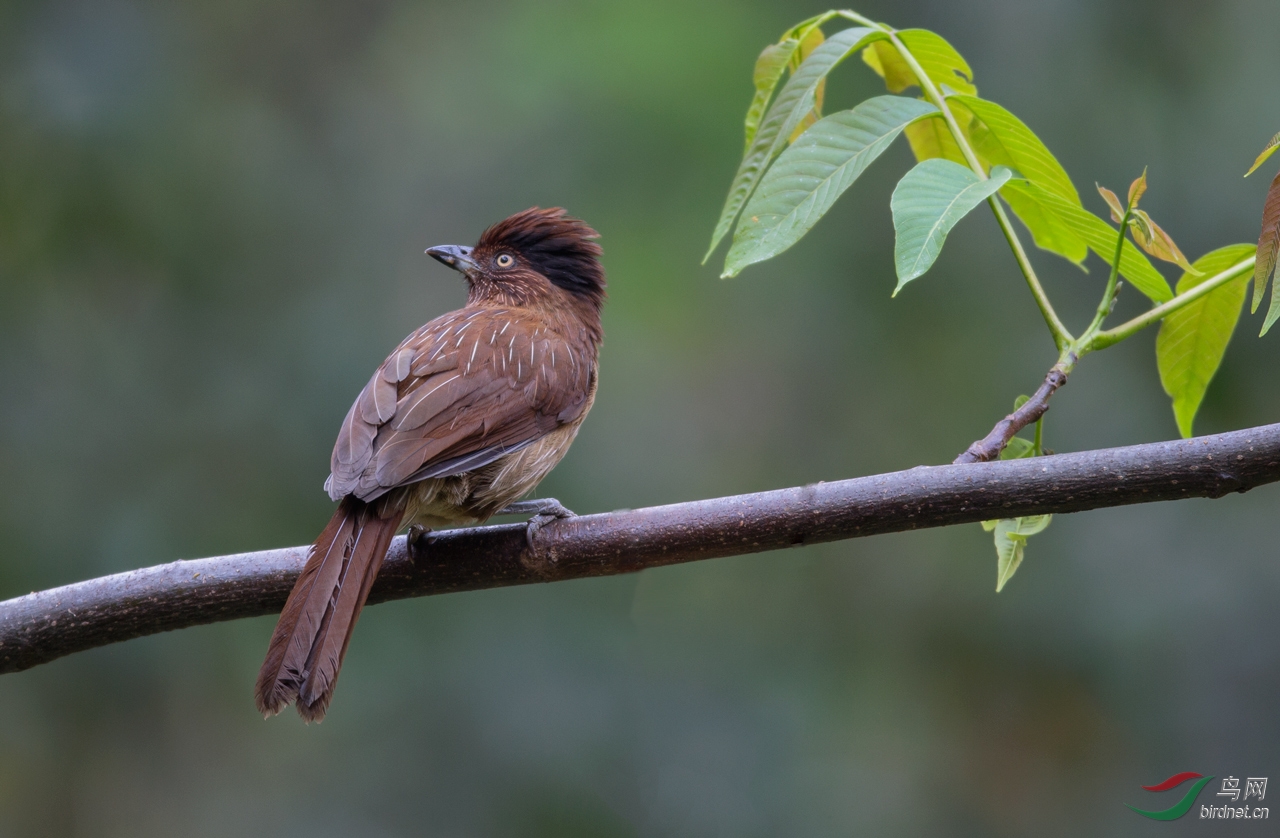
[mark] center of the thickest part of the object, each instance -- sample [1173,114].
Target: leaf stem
[1062,338]
[1109,295]
[1102,340]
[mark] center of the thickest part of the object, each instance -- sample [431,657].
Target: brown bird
[464,417]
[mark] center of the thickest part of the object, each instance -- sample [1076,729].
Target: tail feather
[372,542]
[315,626]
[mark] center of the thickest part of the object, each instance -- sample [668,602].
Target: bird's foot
[545,510]
[416,539]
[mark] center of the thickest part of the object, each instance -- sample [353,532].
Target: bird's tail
[315,626]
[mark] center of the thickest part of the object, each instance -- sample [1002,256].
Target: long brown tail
[315,626]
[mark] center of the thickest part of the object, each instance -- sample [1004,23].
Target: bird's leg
[537,506]
[544,510]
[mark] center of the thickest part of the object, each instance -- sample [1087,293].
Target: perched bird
[464,418]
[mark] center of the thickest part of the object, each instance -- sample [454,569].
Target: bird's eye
[505,260]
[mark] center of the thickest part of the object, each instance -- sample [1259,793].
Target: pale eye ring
[505,260]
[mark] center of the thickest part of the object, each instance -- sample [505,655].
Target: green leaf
[1270,149]
[939,60]
[1011,536]
[1046,226]
[928,201]
[1000,138]
[1003,139]
[792,104]
[1101,238]
[809,176]
[1193,339]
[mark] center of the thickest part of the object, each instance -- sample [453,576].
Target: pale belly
[473,497]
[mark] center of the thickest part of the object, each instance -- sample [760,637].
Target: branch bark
[40,627]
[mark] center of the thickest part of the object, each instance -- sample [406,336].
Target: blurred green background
[212,219]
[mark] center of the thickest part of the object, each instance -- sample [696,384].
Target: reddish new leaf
[1117,211]
[1151,238]
[1268,243]
[1137,188]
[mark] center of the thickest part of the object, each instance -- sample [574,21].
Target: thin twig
[989,447]
[40,627]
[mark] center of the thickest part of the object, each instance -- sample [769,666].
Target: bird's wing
[460,392]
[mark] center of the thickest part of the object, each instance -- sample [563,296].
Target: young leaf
[883,57]
[768,70]
[1193,339]
[1151,238]
[794,101]
[1270,149]
[1011,541]
[939,60]
[811,41]
[1117,211]
[930,138]
[1137,189]
[1101,238]
[809,176]
[798,31]
[928,201]
[1268,244]
[769,66]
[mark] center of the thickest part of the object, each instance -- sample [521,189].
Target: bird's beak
[456,257]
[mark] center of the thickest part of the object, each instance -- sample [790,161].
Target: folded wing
[459,393]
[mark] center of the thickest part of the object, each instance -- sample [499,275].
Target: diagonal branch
[40,627]
[989,447]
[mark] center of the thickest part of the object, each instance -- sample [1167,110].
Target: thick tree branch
[43,626]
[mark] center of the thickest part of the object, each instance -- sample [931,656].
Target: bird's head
[528,256]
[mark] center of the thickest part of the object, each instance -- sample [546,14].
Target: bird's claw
[545,510]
